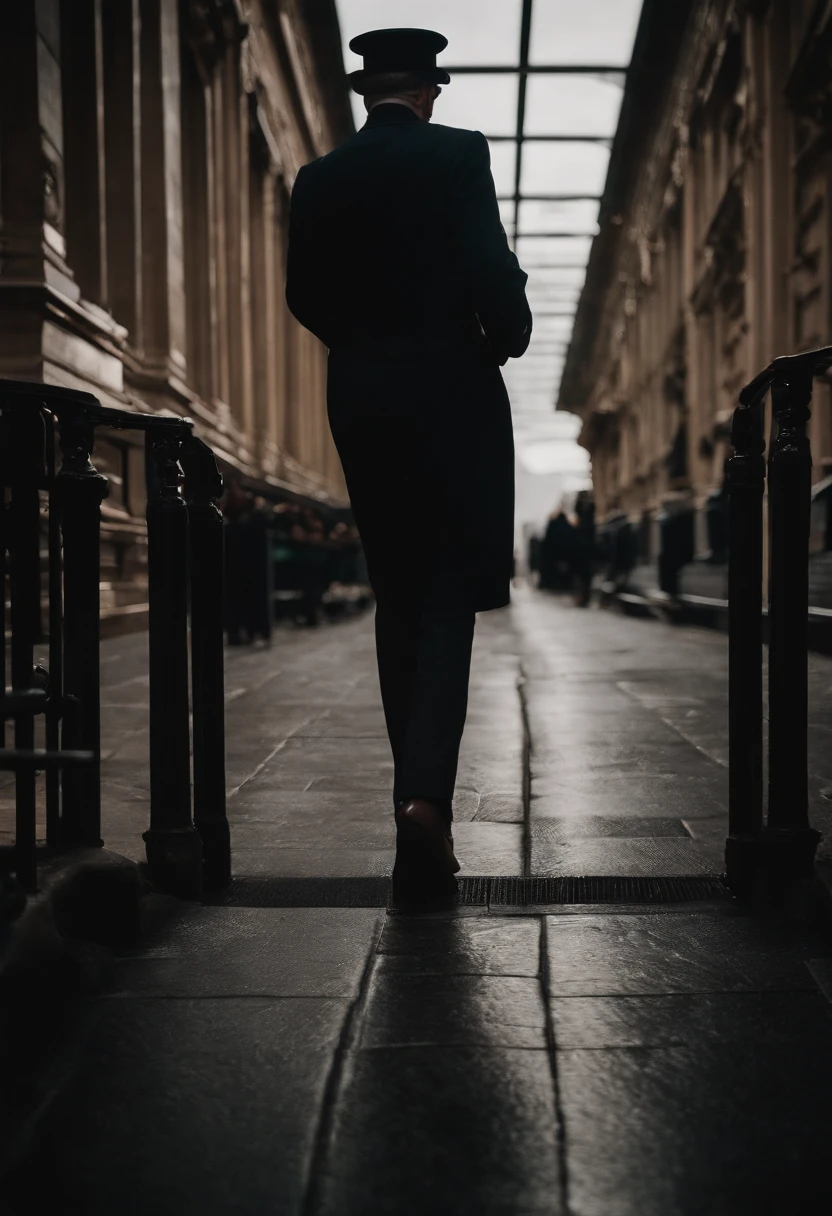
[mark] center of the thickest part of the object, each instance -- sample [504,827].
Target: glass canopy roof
[543,79]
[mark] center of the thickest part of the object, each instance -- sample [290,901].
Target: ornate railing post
[780,857]
[174,848]
[790,487]
[79,492]
[203,486]
[69,694]
[746,481]
[24,473]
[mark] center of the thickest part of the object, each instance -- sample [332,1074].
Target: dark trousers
[424,661]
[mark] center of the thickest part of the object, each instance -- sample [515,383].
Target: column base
[174,860]
[216,851]
[742,865]
[770,867]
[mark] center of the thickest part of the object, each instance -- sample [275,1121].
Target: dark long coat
[399,263]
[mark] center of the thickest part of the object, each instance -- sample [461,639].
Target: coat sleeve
[305,292]
[496,281]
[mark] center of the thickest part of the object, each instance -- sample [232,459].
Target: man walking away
[398,262]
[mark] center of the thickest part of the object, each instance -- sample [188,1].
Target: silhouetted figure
[557,554]
[620,548]
[248,578]
[533,556]
[284,557]
[313,555]
[677,546]
[399,263]
[584,560]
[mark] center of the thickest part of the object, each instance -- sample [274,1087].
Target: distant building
[713,256]
[147,154]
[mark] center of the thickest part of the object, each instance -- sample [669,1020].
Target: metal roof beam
[537,69]
[551,198]
[553,139]
[525,42]
[526,236]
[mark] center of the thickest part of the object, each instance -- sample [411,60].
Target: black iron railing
[186,852]
[764,858]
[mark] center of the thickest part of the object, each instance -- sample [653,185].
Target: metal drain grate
[525,891]
[498,892]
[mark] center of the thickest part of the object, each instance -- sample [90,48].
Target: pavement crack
[552,1052]
[347,1044]
[526,772]
[232,793]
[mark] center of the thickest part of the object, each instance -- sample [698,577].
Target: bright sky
[553,235]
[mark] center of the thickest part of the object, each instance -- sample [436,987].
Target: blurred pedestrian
[313,559]
[248,583]
[557,553]
[534,556]
[584,558]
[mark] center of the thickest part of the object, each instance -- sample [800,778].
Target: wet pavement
[583,1059]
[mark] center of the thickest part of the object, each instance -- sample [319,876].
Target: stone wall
[147,154]
[714,248]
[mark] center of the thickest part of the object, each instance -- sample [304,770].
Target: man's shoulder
[306,173]
[458,135]
[432,132]
[456,141]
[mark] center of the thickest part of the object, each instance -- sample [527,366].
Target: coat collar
[390,115]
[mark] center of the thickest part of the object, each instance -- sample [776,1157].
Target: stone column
[198,211]
[32,199]
[242,174]
[274,327]
[121,46]
[284,320]
[235,193]
[163,275]
[222,378]
[82,61]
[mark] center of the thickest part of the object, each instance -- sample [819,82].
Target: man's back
[399,263]
[396,234]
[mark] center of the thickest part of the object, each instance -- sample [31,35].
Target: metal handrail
[769,857]
[185,572]
[784,368]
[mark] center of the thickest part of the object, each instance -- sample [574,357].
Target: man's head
[400,65]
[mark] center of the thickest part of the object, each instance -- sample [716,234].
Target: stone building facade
[147,154]
[713,254]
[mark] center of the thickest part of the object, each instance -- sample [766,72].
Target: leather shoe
[425,860]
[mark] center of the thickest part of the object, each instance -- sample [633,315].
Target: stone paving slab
[698,1129]
[600,1023]
[305,863]
[308,761]
[604,955]
[626,719]
[573,798]
[637,858]
[216,952]
[460,946]
[467,1130]
[189,1106]
[591,1061]
[454,1010]
[669,1062]
[620,1062]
